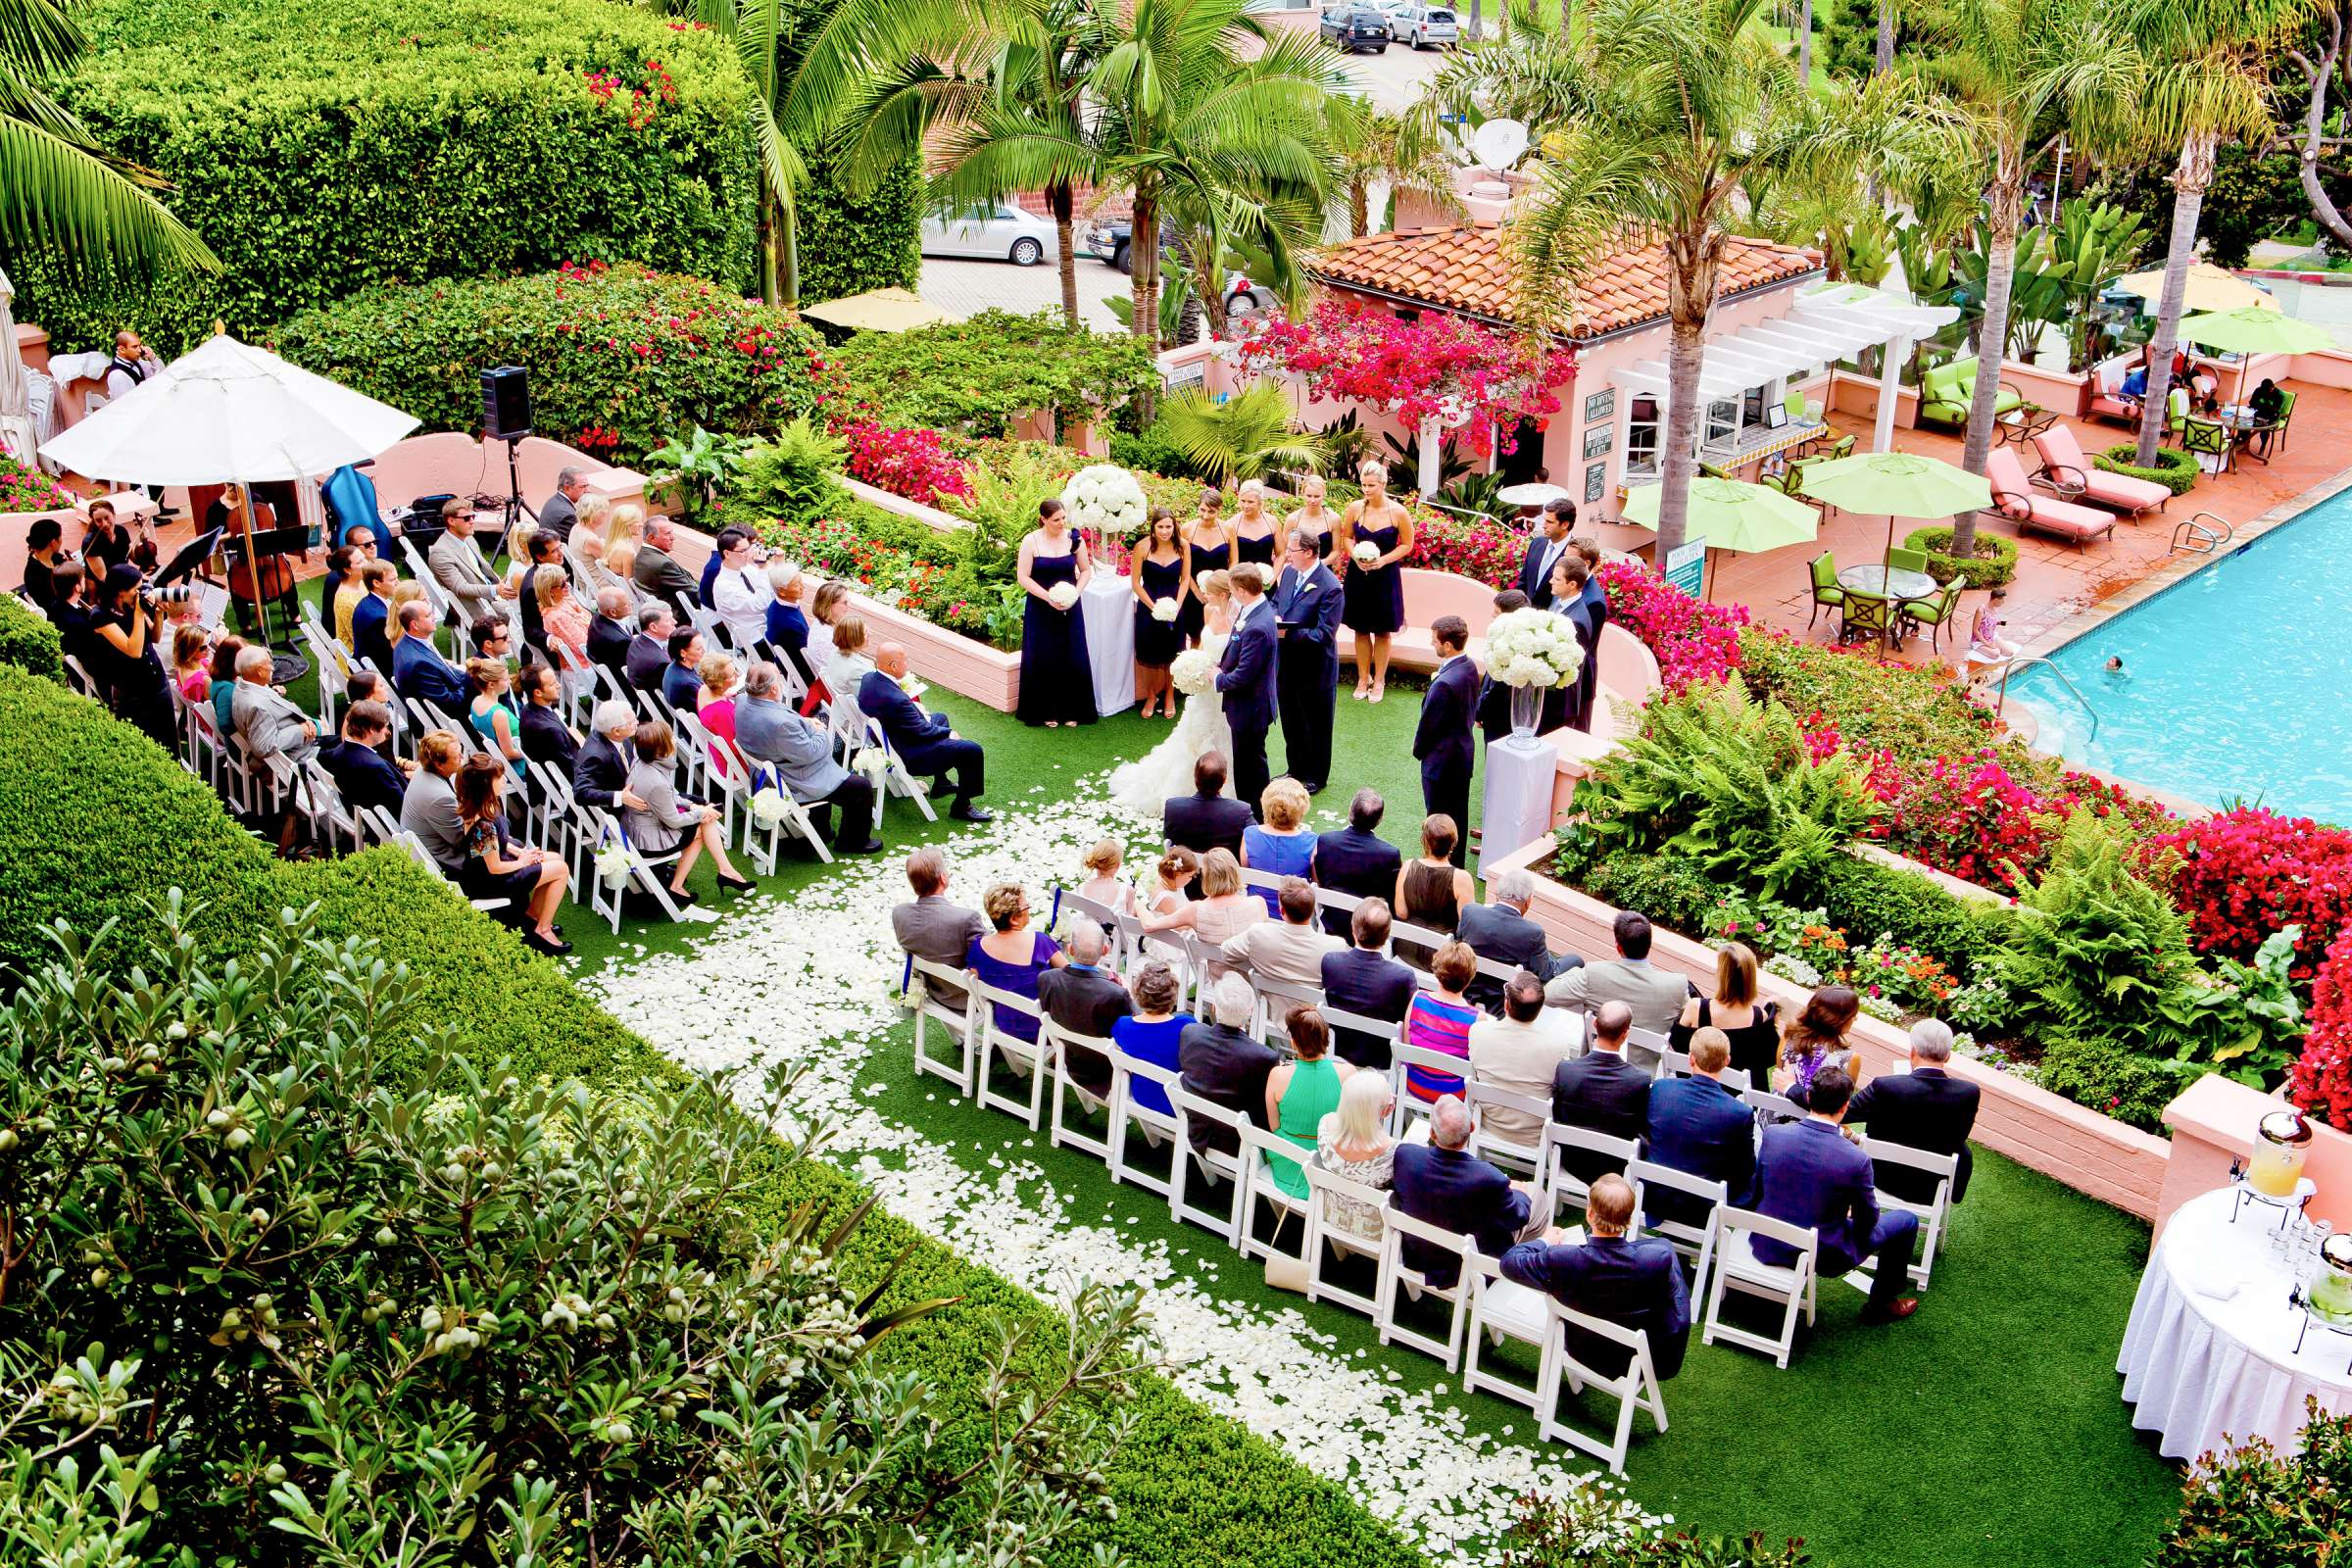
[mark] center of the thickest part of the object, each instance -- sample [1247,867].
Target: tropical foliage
[2253,1505]
[977,375]
[1240,438]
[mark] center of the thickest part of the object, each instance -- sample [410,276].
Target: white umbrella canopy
[229,412]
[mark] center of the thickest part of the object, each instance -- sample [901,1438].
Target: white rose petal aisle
[814,978]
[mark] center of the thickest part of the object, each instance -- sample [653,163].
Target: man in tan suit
[1520,1052]
[1290,952]
[1654,996]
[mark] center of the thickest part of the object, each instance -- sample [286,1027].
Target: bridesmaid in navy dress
[1057,678]
[1160,577]
[1373,607]
[1254,527]
[1207,548]
[1316,520]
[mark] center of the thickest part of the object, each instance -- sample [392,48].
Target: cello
[257,574]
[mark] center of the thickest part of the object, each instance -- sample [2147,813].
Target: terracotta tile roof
[1464,268]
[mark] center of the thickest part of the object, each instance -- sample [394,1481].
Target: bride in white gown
[1143,787]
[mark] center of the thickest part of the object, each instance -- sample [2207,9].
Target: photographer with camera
[123,628]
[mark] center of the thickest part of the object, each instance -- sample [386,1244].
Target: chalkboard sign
[1686,566]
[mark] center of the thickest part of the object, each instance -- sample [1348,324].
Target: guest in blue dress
[1012,957]
[1149,1034]
[1160,579]
[1207,548]
[1057,678]
[1282,846]
[1254,527]
[1374,594]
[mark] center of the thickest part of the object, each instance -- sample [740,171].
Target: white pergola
[1829,323]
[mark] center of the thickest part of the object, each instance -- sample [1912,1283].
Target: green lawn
[1988,1430]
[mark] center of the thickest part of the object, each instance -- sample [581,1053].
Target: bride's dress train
[1142,788]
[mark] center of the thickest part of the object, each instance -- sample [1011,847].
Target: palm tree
[2024,70]
[60,193]
[1239,438]
[1681,105]
[2208,78]
[765,35]
[1381,147]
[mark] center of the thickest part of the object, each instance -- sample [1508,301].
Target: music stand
[195,553]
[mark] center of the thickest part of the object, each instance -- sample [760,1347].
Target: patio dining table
[1882,581]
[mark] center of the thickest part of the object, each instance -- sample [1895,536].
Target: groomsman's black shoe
[966,811]
[869,846]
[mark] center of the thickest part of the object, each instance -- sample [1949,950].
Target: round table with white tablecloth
[2210,1355]
[1110,641]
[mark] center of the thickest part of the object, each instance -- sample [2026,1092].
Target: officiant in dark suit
[1245,675]
[1441,741]
[1307,615]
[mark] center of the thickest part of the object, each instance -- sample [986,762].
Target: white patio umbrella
[17,438]
[230,414]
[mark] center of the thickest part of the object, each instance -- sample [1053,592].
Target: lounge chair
[1947,392]
[2013,497]
[2070,474]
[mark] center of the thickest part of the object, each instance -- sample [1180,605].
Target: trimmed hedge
[28,641]
[2175,469]
[849,244]
[621,358]
[1994,565]
[324,146]
[95,819]
[973,376]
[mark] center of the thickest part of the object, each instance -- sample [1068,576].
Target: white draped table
[1517,805]
[1110,641]
[2206,1365]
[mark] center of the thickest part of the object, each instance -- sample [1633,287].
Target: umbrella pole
[253,569]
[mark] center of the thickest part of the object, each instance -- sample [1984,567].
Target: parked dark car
[1354,28]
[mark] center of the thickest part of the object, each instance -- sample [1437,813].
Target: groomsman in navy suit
[1245,675]
[1442,740]
[1543,551]
[1307,613]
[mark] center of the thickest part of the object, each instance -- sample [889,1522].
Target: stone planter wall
[2092,1154]
[899,506]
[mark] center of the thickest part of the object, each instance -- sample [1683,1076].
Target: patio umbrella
[2253,330]
[879,309]
[1900,484]
[1730,514]
[17,436]
[230,414]
[2210,288]
[1531,494]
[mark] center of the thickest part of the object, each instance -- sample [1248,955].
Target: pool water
[2236,683]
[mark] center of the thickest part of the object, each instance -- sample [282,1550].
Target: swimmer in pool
[2115,664]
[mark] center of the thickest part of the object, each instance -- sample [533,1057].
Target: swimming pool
[2237,682]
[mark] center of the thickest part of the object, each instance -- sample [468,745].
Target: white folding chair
[1260,1149]
[1423,939]
[1328,1241]
[1738,1268]
[765,843]
[1395,1228]
[332,821]
[1694,1240]
[379,824]
[1103,915]
[1943,1169]
[331,663]
[1771,1107]
[1505,1309]
[1673,1063]
[1635,1389]
[961,1026]
[1344,1023]
[721,769]
[1401,1057]
[1646,1047]
[424,857]
[1275,999]
[1157,1127]
[1568,1189]
[1028,1058]
[607,898]
[80,678]
[1215,1163]
[895,778]
[1525,1157]
[1067,1088]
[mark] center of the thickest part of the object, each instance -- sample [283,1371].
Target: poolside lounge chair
[2068,472]
[2015,498]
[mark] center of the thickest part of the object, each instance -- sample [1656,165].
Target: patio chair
[1935,1211]
[1636,1388]
[1866,615]
[1327,1241]
[1934,613]
[1397,1227]
[2207,438]
[1827,594]
[1907,560]
[1802,409]
[2013,497]
[1843,447]
[2070,477]
[2286,413]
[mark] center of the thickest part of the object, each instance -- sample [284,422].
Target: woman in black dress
[1316,518]
[532,881]
[1160,579]
[1057,678]
[124,633]
[1207,548]
[1754,1026]
[1376,534]
[1254,527]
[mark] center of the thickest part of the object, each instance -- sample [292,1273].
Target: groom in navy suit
[1245,677]
[1442,739]
[1307,613]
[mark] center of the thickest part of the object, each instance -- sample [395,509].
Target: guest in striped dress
[1440,1020]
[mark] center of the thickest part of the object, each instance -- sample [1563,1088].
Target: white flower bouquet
[871,762]
[1192,672]
[1532,648]
[613,864]
[1106,496]
[1163,610]
[1365,551]
[1062,594]
[768,806]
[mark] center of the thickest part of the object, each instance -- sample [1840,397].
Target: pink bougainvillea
[1476,548]
[1691,639]
[2320,1080]
[2247,873]
[23,489]
[914,463]
[1439,366]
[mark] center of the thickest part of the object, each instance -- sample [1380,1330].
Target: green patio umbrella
[2253,330]
[1730,514]
[1900,484]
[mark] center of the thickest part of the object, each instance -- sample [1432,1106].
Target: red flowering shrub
[1691,639]
[23,489]
[2246,874]
[640,93]
[2320,1079]
[1439,366]
[914,463]
[1482,550]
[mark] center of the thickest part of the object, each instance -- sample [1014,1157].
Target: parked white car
[1423,26]
[1000,232]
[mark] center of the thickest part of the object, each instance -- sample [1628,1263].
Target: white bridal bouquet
[1192,672]
[1163,610]
[1532,648]
[1365,551]
[1062,594]
[1106,496]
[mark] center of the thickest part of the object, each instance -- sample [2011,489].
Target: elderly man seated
[1926,1108]
[767,730]
[600,773]
[655,570]
[1501,930]
[1291,951]
[1085,998]
[1443,1184]
[926,743]
[610,630]
[1225,1064]
[1633,1283]
[267,722]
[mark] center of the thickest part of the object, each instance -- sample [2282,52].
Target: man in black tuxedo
[1501,930]
[1577,697]
[609,631]
[1364,982]
[1601,1090]
[1926,1108]
[1207,818]
[1307,613]
[1245,675]
[1356,859]
[1442,742]
[648,658]
[926,743]
[600,773]
[1543,551]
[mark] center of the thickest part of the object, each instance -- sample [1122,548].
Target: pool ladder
[2016,664]
[2191,534]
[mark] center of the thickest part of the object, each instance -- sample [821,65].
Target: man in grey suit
[933,929]
[1652,994]
[457,565]
[769,731]
[267,722]
[562,513]
[655,572]
[1501,930]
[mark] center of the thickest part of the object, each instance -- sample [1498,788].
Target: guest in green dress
[1300,1094]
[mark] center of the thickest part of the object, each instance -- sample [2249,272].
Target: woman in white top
[849,664]
[1104,883]
[1165,907]
[825,606]
[1353,1141]
[740,593]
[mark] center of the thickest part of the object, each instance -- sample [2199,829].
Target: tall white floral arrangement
[1106,496]
[1532,648]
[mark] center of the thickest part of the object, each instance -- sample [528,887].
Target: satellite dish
[1498,143]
